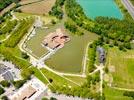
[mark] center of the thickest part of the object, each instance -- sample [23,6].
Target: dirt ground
[42,7]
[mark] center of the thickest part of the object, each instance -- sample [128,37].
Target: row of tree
[8,27]
[57,9]
[72,27]
[19,32]
[5,3]
[92,57]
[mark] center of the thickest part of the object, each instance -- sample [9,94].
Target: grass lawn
[112,94]
[38,74]
[121,66]
[57,80]
[78,80]
[69,59]
[21,15]
[41,7]
[36,47]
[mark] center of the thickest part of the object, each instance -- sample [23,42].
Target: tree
[106,69]
[4,98]
[129,94]
[121,47]
[1,90]
[19,83]
[50,80]
[89,79]
[53,21]
[57,9]
[5,83]
[52,98]
[24,55]
[127,45]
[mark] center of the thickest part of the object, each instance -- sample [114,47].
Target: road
[128,5]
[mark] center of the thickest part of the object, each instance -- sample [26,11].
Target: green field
[112,94]
[121,65]
[69,59]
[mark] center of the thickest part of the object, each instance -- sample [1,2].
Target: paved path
[128,5]
[100,68]
[124,89]
[85,59]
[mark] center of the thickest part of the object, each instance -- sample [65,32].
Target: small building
[101,54]
[31,90]
[56,39]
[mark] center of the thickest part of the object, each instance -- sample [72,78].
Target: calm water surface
[94,8]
